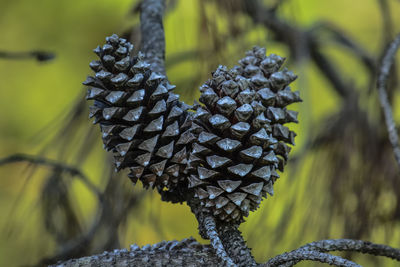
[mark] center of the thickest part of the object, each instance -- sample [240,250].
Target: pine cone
[141,120]
[241,140]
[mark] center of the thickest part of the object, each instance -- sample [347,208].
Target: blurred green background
[345,186]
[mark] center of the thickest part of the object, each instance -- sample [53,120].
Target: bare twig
[208,230]
[346,245]
[54,164]
[38,55]
[225,238]
[384,71]
[152,30]
[301,43]
[74,246]
[341,38]
[331,73]
[298,255]
[354,245]
[387,20]
[216,243]
[235,245]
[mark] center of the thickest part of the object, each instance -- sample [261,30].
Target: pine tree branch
[354,245]
[295,256]
[338,36]
[216,243]
[225,238]
[35,54]
[383,77]
[235,245]
[152,31]
[187,252]
[208,230]
[344,245]
[54,164]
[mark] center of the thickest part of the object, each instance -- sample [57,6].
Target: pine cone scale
[243,139]
[227,152]
[141,120]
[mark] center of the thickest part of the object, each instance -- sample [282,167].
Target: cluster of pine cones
[227,150]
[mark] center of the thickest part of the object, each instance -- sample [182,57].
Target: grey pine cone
[227,153]
[241,138]
[141,120]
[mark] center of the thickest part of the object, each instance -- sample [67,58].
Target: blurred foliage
[341,183]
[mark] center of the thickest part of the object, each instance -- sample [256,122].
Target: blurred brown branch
[53,164]
[36,54]
[71,248]
[304,44]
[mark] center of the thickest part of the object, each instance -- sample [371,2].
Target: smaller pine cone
[241,138]
[141,120]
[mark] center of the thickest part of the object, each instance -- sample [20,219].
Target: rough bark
[235,245]
[208,230]
[187,252]
[311,255]
[316,251]
[385,68]
[152,30]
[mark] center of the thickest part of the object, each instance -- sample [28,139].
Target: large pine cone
[241,138]
[141,120]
